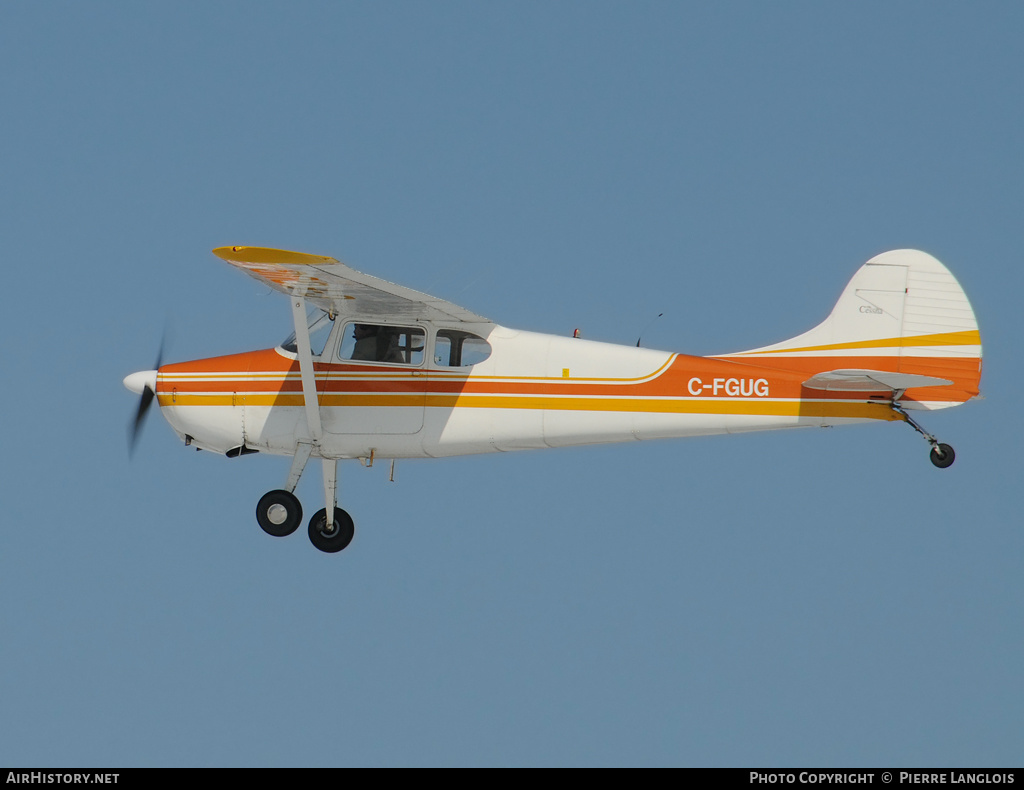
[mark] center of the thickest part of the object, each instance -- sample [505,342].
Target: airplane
[383,372]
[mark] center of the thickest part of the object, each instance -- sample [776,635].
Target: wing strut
[331,533]
[306,369]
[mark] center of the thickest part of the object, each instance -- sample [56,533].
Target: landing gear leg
[331,529]
[302,453]
[942,455]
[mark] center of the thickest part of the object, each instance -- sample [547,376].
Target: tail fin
[902,312]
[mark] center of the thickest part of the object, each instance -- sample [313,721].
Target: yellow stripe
[268,255]
[970,337]
[437,375]
[787,408]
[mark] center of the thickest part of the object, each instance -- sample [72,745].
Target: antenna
[659,315]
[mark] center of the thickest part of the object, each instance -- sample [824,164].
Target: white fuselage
[532,391]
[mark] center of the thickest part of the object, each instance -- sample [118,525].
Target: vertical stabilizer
[897,303]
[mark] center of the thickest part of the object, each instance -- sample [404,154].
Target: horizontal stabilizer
[870,380]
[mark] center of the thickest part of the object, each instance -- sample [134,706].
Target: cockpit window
[457,349]
[320,325]
[402,345]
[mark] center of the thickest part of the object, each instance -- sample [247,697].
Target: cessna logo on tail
[732,387]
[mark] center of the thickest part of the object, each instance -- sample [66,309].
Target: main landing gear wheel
[942,455]
[279,513]
[339,538]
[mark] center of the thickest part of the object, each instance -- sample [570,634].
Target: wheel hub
[277,514]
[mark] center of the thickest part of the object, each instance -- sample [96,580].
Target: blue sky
[805,598]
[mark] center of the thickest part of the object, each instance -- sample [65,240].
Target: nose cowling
[200,401]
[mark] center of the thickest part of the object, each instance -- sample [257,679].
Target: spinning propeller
[143,383]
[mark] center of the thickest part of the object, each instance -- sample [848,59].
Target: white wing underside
[336,288]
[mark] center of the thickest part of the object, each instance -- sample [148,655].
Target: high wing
[340,289]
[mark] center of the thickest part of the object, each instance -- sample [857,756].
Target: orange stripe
[339,384]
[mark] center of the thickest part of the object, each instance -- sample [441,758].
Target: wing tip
[242,254]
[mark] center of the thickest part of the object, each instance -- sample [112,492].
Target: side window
[456,349]
[401,345]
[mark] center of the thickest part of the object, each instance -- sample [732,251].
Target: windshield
[320,325]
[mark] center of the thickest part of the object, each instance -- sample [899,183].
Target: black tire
[344,530]
[275,521]
[942,456]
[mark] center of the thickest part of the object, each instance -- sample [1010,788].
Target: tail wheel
[336,540]
[279,513]
[942,455]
